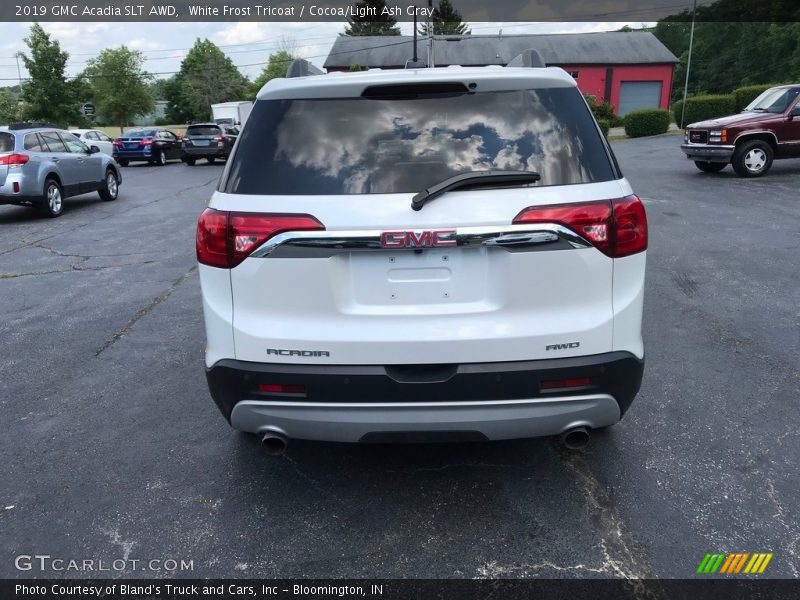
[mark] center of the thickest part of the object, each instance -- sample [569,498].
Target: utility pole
[431,62]
[19,78]
[688,65]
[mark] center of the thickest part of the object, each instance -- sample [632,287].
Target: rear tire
[190,161]
[710,167]
[52,199]
[122,162]
[753,159]
[110,188]
[211,160]
[160,158]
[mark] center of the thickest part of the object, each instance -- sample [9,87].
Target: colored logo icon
[734,563]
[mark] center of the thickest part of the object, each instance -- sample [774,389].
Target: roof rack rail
[14,126]
[300,67]
[530,58]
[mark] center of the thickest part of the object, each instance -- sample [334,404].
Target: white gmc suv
[421,255]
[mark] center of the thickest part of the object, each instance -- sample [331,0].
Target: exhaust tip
[575,438]
[274,442]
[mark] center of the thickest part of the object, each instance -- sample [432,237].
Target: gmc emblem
[421,239]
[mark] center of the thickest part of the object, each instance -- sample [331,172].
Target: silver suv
[41,166]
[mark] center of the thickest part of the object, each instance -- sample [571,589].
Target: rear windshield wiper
[471,180]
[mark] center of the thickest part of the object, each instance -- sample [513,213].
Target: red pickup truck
[767,129]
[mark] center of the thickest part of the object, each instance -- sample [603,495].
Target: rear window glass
[34,143]
[141,133]
[6,142]
[53,141]
[405,144]
[203,130]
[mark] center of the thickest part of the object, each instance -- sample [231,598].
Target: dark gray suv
[41,166]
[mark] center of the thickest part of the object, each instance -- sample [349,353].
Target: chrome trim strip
[755,132]
[453,404]
[512,238]
[692,146]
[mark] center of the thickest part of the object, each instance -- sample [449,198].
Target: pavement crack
[196,187]
[110,214]
[116,539]
[314,483]
[623,556]
[74,267]
[59,253]
[145,311]
[793,531]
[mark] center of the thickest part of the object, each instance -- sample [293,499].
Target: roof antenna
[430,34]
[415,63]
[415,36]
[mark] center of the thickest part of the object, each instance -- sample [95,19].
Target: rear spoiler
[529,58]
[300,67]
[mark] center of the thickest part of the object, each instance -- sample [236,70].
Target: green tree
[157,88]
[376,21]
[276,67]
[206,77]
[445,20]
[47,94]
[736,42]
[9,107]
[120,87]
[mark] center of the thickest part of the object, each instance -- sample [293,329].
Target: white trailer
[233,113]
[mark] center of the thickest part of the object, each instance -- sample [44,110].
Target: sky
[248,44]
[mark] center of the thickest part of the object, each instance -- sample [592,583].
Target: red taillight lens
[566,383]
[590,220]
[615,227]
[220,138]
[146,142]
[225,239]
[630,220]
[212,239]
[14,160]
[280,388]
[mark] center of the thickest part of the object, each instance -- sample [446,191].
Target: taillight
[566,383]
[146,142]
[14,160]
[220,138]
[281,388]
[118,143]
[630,222]
[225,239]
[212,239]
[615,227]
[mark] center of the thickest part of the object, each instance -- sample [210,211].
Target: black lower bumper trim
[618,374]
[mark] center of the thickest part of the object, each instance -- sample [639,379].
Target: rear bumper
[203,152]
[708,152]
[133,155]
[478,401]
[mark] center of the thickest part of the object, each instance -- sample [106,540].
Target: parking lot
[113,449]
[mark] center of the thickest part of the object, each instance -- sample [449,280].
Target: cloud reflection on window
[356,145]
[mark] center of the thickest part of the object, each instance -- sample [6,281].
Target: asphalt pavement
[112,448]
